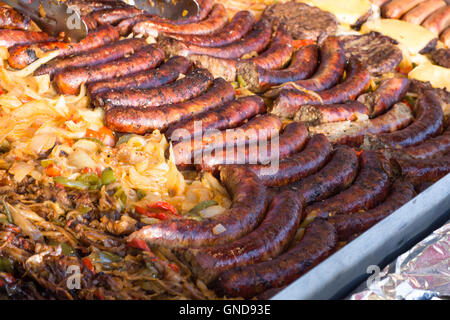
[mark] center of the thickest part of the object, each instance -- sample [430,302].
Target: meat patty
[302,21]
[376,51]
[441,57]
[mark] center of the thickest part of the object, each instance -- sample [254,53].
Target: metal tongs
[58,19]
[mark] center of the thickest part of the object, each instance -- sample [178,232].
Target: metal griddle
[343,271]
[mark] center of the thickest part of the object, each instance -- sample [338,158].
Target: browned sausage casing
[215,21]
[142,120]
[194,148]
[196,82]
[227,116]
[246,212]
[420,171]
[428,123]
[115,15]
[370,188]
[16,39]
[255,41]
[389,92]
[11,19]
[22,56]
[166,73]
[317,244]
[303,64]
[267,241]
[292,140]
[396,8]
[238,27]
[324,113]
[348,225]
[438,20]
[336,176]
[418,14]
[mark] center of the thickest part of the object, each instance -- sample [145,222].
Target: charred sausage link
[324,113]
[22,56]
[93,57]
[336,176]
[297,166]
[420,171]
[238,27]
[245,214]
[196,82]
[115,15]
[267,241]
[16,39]
[370,188]
[389,92]
[215,21]
[11,19]
[348,225]
[166,73]
[317,244]
[142,120]
[303,64]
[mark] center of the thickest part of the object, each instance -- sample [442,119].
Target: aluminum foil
[422,273]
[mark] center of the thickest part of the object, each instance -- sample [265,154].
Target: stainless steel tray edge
[348,267]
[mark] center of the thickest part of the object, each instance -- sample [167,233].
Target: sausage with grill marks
[142,120]
[256,41]
[389,92]
[318,243]
[298,166]
[337,175]
[227,116]
[22,56]
[166,73]
[11,19]
[267,241]
[262,127]
[324,113]
[370,188]
[16,39]
[94,57]
[196,82]
[238,27]
[249,203]
[215,21]
[348,225]
[70,80]
[428,123]
[291,140]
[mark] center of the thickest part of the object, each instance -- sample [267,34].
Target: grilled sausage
[257,79]
[20,57]
[93,57]
[289,101]
[279,52]
[70,80]
[438,21]
[86,7]
[215,21]
[115,15]
[445,37]
[11,19]
[389,92]
[348,225]
[336,176]
[15,39]
[238,27]
[245,214]
[227,116]
[317,244]
[420,171]
[396,8]
[353,132]
[292,140]
[205,7]
[298,166]
[166,73]
[418,14]
[256,41]
[428,123]
[267,241]
[196,82]
[142,120]
[189,148]
[317,114]
[370,188]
